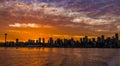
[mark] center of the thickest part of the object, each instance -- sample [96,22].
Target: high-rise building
[17,40]
[117,36]
[86,39]
[81,40]
[39,40]
[31,41]
[103,37]
[43,40]
[93,39]
[51,41]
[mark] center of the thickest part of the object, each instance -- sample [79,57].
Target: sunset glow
[31,19]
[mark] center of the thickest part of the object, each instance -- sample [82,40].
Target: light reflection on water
[59,57]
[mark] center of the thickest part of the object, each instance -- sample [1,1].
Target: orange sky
[28,19]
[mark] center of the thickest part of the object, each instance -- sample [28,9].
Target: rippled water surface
[59,57]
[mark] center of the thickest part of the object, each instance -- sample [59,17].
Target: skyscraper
[43,40]
[50,41]
[17,41]
[117,36]
[39,40]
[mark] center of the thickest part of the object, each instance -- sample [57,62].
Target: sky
[31,19]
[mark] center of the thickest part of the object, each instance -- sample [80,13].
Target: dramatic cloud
[92,21]
[32,25]
[76,17]
[28,25]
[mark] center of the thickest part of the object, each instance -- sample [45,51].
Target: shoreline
[61,47]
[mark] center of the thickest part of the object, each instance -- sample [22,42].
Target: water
[59,57]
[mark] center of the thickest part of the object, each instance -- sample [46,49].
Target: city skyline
[31,19]
[85,42]
[76,38]
[59,32]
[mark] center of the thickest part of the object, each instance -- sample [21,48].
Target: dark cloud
[65,15]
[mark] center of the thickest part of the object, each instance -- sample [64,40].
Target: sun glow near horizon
[31,19]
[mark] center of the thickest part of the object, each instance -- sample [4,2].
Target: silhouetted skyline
[85,42]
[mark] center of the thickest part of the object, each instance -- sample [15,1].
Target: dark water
[59,57]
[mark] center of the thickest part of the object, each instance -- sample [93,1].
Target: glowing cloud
[29,25]
[24,25]
[72,17]
[92,21]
